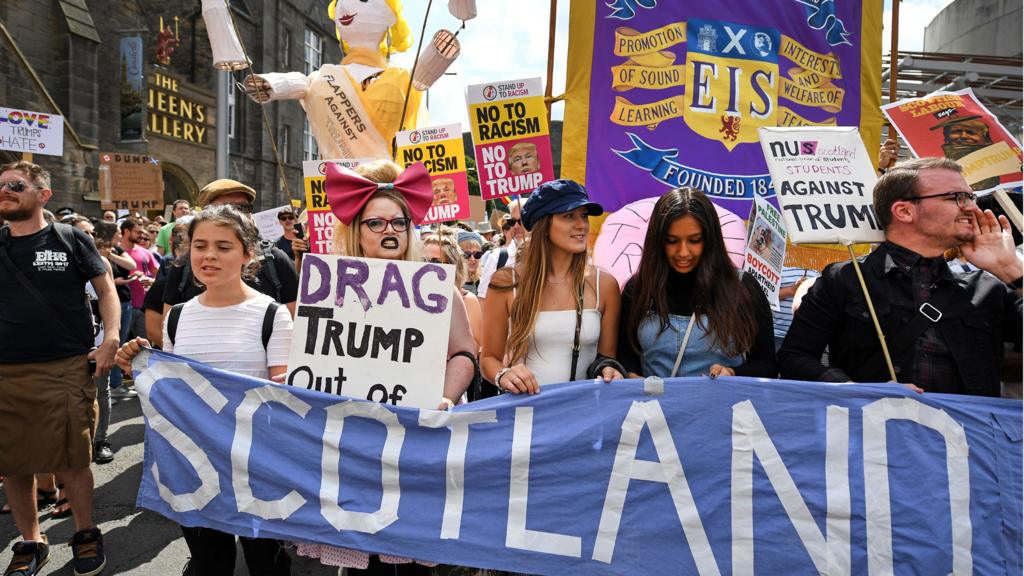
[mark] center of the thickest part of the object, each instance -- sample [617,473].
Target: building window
[313,51]
[309,147]
[232,110]
[285,57]
[283,145]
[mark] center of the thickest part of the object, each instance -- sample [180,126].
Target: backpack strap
[66,236]
[186,277]
[268,322]
[502,258]
[267,263]
[172,321]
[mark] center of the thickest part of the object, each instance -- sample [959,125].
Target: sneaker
[122,392]
[29,558]
[87,548]
[101,453]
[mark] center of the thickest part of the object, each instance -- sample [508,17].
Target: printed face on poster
[269,226]
[510,137]
[440,149]
[372,329]
[956,125]
[31,132]
[824,180]
[319,218]
[766,249]
[130,182]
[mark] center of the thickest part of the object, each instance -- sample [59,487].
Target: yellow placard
[508,120]
[442,157]
[990,162]
[316,196]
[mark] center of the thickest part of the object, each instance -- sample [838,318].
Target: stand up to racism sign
[666,93]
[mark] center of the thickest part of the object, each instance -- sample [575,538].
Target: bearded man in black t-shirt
[48,399]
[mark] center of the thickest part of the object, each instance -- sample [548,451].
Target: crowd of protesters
[529,309]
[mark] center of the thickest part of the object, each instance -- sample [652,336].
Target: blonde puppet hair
[400,35]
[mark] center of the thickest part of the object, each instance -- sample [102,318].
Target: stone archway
[178,183]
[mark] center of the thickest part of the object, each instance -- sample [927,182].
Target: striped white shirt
[231,337]
[784,316]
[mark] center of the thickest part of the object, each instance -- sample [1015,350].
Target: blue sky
[509,39]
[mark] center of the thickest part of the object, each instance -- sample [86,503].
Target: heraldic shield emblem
[733,75]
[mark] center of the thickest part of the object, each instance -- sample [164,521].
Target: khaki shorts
[47,416]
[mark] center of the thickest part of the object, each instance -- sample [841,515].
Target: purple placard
[657,125]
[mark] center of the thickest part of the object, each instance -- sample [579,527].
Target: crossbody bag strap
[576,339]
[27,285]
[682,349]
[928,314]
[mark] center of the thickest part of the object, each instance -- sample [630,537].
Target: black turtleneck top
[760,359]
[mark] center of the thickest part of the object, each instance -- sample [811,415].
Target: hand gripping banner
[664,94]
[685,476]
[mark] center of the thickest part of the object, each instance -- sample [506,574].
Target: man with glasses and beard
[287,218]
[277,277]
[48,399]
[945,331]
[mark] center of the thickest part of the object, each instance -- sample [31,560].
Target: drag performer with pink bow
[377,206]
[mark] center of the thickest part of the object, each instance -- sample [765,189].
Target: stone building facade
[64,57]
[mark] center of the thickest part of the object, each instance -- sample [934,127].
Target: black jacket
[980,314]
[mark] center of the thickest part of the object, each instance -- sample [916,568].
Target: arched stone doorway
[178,183]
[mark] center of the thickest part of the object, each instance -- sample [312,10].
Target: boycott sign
[956,125]
[130,182]
[31,132]
[269,226]
[440,149]
[510,137]
[766,249]
[320,219]
[374,329]
[823,179]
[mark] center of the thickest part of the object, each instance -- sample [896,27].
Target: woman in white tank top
[532,311]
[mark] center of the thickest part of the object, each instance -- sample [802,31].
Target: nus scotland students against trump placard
[372,329]
[823,179]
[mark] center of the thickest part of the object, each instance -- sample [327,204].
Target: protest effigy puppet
[354,108]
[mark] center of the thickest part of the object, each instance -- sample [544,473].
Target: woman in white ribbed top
[531,310]
[223,327]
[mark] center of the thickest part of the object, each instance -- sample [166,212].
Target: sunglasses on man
[285,217]
[16,186]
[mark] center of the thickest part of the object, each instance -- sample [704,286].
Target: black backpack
[268,322]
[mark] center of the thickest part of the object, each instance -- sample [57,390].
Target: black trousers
[213,554]
[378,568]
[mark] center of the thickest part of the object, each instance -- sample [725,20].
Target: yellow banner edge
[576,120]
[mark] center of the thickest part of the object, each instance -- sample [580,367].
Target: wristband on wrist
[497,377]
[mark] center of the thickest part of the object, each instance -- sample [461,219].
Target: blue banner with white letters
[684,476]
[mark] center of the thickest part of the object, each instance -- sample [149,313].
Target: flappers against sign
[956,125]
[823,179]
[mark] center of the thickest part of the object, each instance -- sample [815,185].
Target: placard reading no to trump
[510,136]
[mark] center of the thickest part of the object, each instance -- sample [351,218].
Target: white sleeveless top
[549,355]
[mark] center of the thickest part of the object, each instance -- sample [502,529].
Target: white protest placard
[372,329]
[824,180]
[766,249]
[31,132]
[269,226]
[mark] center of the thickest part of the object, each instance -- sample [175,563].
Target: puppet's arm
[263,88]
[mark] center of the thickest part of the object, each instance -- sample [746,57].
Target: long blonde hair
[346,238]
[531,278]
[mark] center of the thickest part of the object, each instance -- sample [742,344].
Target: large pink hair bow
[348,192]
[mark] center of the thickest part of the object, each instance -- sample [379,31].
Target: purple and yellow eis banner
[662,94]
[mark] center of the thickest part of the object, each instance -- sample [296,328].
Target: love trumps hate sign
[373,329]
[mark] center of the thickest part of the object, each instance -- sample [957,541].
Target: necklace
[564,280]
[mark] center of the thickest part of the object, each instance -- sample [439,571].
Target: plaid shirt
[934,368]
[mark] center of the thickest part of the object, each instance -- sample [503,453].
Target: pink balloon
[620,244]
